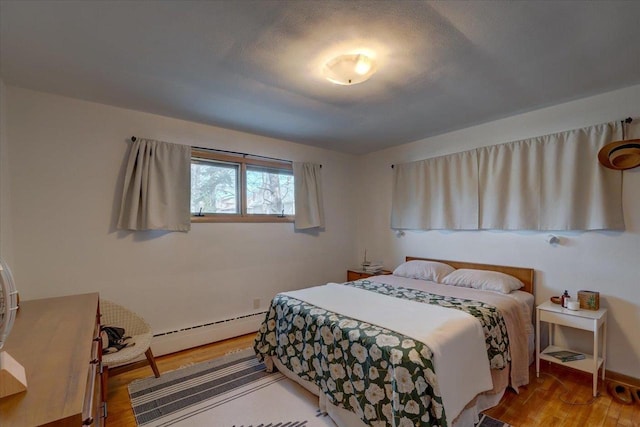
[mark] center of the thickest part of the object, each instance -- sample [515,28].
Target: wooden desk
[53,339]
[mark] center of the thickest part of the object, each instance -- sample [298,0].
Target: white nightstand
[590,320]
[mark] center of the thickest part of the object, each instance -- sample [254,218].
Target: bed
[420,347]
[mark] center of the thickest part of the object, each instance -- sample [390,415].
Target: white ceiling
[255,65]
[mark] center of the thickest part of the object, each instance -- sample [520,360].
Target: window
[229,188]
[214,187]
[269,191]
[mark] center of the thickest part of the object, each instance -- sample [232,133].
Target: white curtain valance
[552,182]
[307,178]
[157,187]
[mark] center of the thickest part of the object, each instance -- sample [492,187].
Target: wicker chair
[135,326]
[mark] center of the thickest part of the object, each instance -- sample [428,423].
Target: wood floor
[539,404]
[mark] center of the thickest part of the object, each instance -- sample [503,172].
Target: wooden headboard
[526,275]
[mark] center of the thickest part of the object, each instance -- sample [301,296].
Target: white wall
[65,175]
[67,160]
[608,262]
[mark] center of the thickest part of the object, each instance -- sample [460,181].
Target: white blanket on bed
[455,337]
[515,308]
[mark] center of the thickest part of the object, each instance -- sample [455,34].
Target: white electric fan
[12,376]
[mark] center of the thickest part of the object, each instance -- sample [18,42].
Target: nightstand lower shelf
[585,365]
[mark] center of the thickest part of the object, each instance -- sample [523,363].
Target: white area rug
[231,391]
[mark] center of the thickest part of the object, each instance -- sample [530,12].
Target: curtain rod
[133,139]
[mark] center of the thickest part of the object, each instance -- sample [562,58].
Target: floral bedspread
[384,377]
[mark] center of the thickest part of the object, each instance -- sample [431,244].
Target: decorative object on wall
[13,378]
[545,183]
[623,154]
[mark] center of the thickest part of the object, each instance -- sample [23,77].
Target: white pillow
[423,270]
[483,279]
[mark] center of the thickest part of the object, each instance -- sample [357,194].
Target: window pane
[214,187]
[269,191]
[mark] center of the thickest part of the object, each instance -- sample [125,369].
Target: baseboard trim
[171,342]
[621,378]
[608,375]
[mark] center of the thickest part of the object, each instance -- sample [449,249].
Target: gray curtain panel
[308,194]
[552,182]
[157,187]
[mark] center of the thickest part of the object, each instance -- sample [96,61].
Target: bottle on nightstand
[564,298]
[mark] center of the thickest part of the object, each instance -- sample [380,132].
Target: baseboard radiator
[193,336]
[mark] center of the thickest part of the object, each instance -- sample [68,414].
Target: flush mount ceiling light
[349,69]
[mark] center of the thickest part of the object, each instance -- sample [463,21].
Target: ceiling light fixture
[349,69]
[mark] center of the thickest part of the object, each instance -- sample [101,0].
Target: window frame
[242,161]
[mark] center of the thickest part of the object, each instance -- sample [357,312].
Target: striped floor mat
[232,391]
